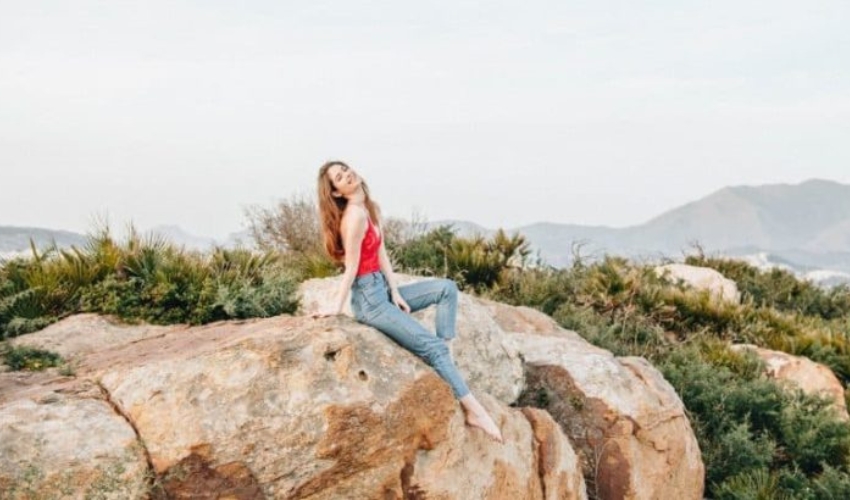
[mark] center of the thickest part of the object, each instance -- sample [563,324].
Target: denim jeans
[372,304]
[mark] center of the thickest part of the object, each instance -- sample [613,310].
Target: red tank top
[369,250]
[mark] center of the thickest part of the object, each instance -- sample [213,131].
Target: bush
[812,434]
[143,279]
[746,423]
[29,358]
[476,264]
[758,484]
[832,484]
[426,254]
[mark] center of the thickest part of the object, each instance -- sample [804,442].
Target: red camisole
[369,250]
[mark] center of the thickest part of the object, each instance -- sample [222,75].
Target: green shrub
[758,484]
[474,263]
[426,254]
[29,358]
[271,294]
[812,434]
[832,484]
[142,279]
[543,288]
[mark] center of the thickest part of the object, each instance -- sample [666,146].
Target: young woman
[351,229]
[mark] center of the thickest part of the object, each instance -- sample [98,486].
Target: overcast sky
[502,113]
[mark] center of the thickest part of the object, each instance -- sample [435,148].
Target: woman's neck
[358,198]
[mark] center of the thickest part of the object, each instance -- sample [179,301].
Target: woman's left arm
[387,269]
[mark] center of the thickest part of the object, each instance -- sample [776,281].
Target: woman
[352,234]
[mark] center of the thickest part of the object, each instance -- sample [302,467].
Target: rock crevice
[104,392]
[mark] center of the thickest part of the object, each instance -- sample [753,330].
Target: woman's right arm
[353,229]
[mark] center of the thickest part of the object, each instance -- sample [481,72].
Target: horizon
[599,115]
[124,227]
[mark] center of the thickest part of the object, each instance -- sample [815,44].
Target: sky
[501,113]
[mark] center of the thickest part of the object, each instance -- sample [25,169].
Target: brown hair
[331,209]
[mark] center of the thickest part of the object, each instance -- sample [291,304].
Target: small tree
[290,226]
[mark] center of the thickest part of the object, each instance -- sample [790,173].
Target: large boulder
[802,373]
[293,407]
[478,347]
[719,287]
[629,424]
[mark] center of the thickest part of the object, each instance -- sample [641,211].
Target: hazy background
[499,113]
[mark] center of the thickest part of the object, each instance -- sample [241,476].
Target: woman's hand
[398,300]
[325,312]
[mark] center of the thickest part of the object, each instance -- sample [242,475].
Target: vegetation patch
[22,358]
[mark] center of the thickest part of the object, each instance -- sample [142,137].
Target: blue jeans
[372,304]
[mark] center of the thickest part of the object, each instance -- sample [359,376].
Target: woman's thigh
[422,294]
[401,327]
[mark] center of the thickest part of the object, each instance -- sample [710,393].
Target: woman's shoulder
[354,216]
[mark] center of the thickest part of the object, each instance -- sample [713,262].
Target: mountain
[180,237]
[460,227]
[803,226]
[16,240]
[771,217]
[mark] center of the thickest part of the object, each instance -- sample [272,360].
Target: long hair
[331,209]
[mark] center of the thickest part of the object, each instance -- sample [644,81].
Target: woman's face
[344,179]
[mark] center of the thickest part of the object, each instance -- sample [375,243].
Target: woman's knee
[449,288]
[435,350]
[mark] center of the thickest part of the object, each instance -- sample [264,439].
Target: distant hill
[178,236]
[806,225]
[813,216]
[17,239]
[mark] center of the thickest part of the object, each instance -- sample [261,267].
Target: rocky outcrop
[803,373]
[719,287]
[296,407]
[627,421]
[288,407]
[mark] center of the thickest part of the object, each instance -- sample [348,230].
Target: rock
[803,373]
[650,450]
[293,407]
[702,278]
[63,439]
[515,319]
[627,421]
[501,472]
[478,347]
[83,334]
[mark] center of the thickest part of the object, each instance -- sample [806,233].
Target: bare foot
[487,425]
[477,416]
